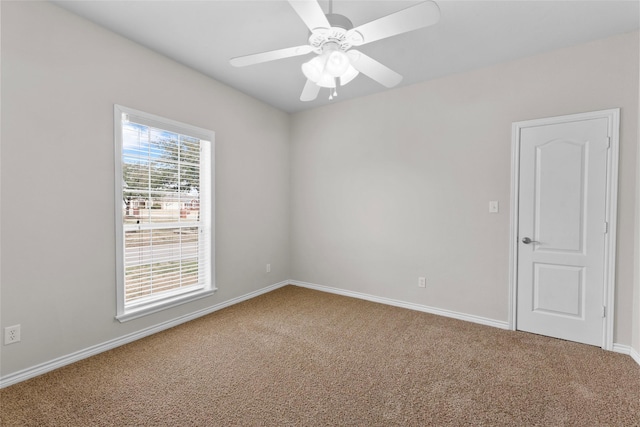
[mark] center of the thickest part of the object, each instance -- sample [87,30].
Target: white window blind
[164,213]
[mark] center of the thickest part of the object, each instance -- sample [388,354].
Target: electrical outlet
[422,282]
[268,268]
[11,334]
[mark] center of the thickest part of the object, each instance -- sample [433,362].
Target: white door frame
[613,117]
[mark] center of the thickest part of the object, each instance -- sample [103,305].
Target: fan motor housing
[339,33]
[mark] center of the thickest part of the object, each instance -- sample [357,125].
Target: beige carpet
[301,357]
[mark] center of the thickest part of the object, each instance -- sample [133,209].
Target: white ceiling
[204,35]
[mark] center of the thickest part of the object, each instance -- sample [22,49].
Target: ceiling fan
[332,38]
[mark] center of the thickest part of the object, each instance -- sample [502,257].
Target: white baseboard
[628,350]
[59,362]
[621,348]
[403,304]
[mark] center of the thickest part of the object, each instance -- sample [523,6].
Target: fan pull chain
[335,89]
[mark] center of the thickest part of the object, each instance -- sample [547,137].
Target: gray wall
[61,76]
[395,186]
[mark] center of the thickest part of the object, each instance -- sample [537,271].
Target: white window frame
[126,312]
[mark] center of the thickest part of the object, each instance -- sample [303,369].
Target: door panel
[559,204]
[558,290]
[562,206]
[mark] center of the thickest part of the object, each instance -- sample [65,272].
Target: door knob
[527,240]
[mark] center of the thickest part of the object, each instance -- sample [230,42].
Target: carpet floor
[298,357]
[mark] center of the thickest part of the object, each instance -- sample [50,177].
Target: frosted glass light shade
[337,63]
[348,75]
[327,80]
[314,69]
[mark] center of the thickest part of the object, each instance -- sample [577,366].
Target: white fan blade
[412,18]
[373,69]
[311,13]
[310,91]
[257,58]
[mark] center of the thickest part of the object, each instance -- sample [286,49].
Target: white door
[561,230]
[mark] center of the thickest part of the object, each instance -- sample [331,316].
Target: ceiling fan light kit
[331,61]
[332,38]
[331,68]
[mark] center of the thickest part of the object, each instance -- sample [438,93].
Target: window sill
[136,312]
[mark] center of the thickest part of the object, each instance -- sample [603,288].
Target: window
[164,199]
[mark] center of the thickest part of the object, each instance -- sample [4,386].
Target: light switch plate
[494,206]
